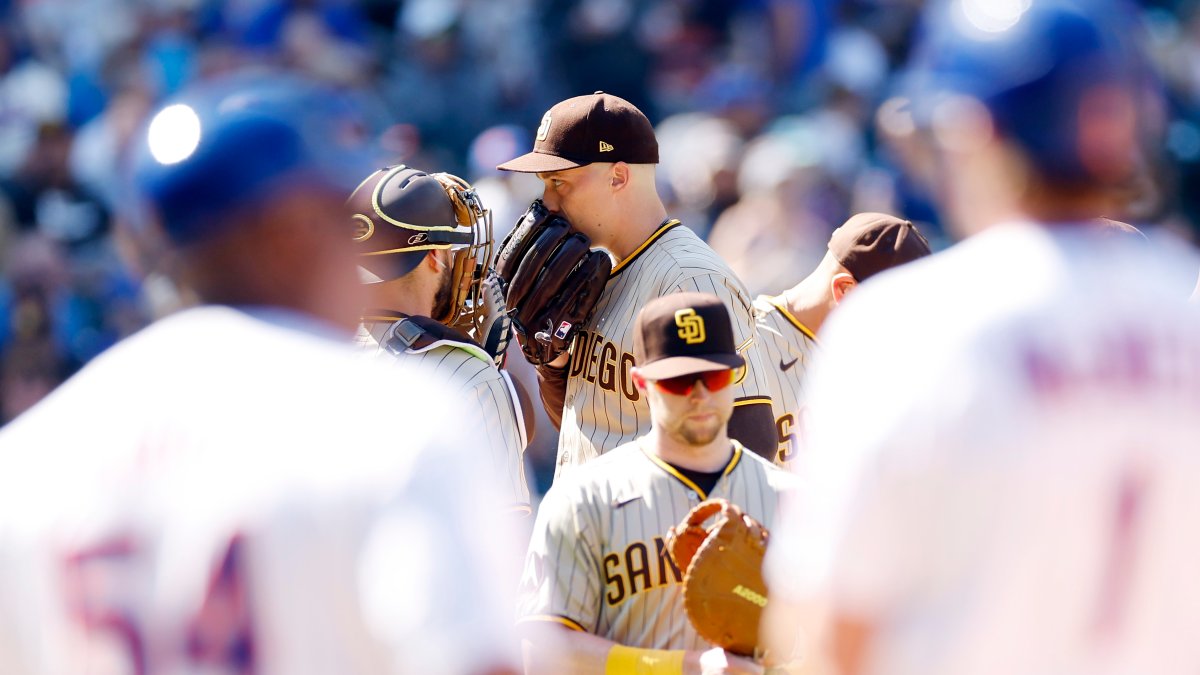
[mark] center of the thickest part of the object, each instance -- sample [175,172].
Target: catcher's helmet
[400,213]
[225,146]
[1042,69]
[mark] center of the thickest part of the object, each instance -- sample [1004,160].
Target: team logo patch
[544,128]
[605,147]
[691,326]
[563,329]
[418,239]
[364,227]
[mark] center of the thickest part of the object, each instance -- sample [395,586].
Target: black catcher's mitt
[552,281]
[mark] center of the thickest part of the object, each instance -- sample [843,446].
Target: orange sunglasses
[714,380]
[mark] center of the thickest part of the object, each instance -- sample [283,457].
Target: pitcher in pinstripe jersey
[598,579]
[422,239]
[596,156]
[863,246]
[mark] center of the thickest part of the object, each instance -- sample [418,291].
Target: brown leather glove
[723,588]
[552,281]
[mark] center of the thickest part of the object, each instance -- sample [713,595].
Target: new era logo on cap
[605,147]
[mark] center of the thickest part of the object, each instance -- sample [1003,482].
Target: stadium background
[767,113]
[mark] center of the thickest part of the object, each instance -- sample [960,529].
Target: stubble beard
[697,434]
[441,298]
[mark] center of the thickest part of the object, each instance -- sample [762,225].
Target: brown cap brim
[686,365]
[537,162]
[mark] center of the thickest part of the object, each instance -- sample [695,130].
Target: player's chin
[701,430]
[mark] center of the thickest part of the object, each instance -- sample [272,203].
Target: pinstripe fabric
[480,386]
[603,409]
[597,556]
[786,347]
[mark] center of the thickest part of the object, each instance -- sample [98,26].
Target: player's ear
[434,260]
[618,176]
[841,284]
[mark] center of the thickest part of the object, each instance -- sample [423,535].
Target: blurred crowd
[767,113]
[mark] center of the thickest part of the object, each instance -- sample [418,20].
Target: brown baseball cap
[870,243]
[684,333]
[582,130]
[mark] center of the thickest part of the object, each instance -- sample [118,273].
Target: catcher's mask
[399,213]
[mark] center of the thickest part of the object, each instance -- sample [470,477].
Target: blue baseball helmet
[235,143]
[1041,68]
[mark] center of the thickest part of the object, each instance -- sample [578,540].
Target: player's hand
[717,661]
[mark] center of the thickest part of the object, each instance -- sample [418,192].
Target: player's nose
[699,393]
[551,200]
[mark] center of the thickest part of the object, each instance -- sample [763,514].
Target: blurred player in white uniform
[425,243]
[212,495]
[1004,478]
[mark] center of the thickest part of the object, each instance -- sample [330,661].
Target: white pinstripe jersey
[597,561]
[603,409]
[786,347]
[468,369]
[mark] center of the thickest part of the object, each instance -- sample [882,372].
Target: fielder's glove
[552,281]
[723,588]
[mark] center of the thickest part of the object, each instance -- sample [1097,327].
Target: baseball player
[1005,480]
[212,494]
[597,574]
[866,244]
[424,243]
[596,156]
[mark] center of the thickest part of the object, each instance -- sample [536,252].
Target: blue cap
[1033,64]
[238,142]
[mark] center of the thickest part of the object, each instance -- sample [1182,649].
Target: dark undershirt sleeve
[754,426]
[552,386]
